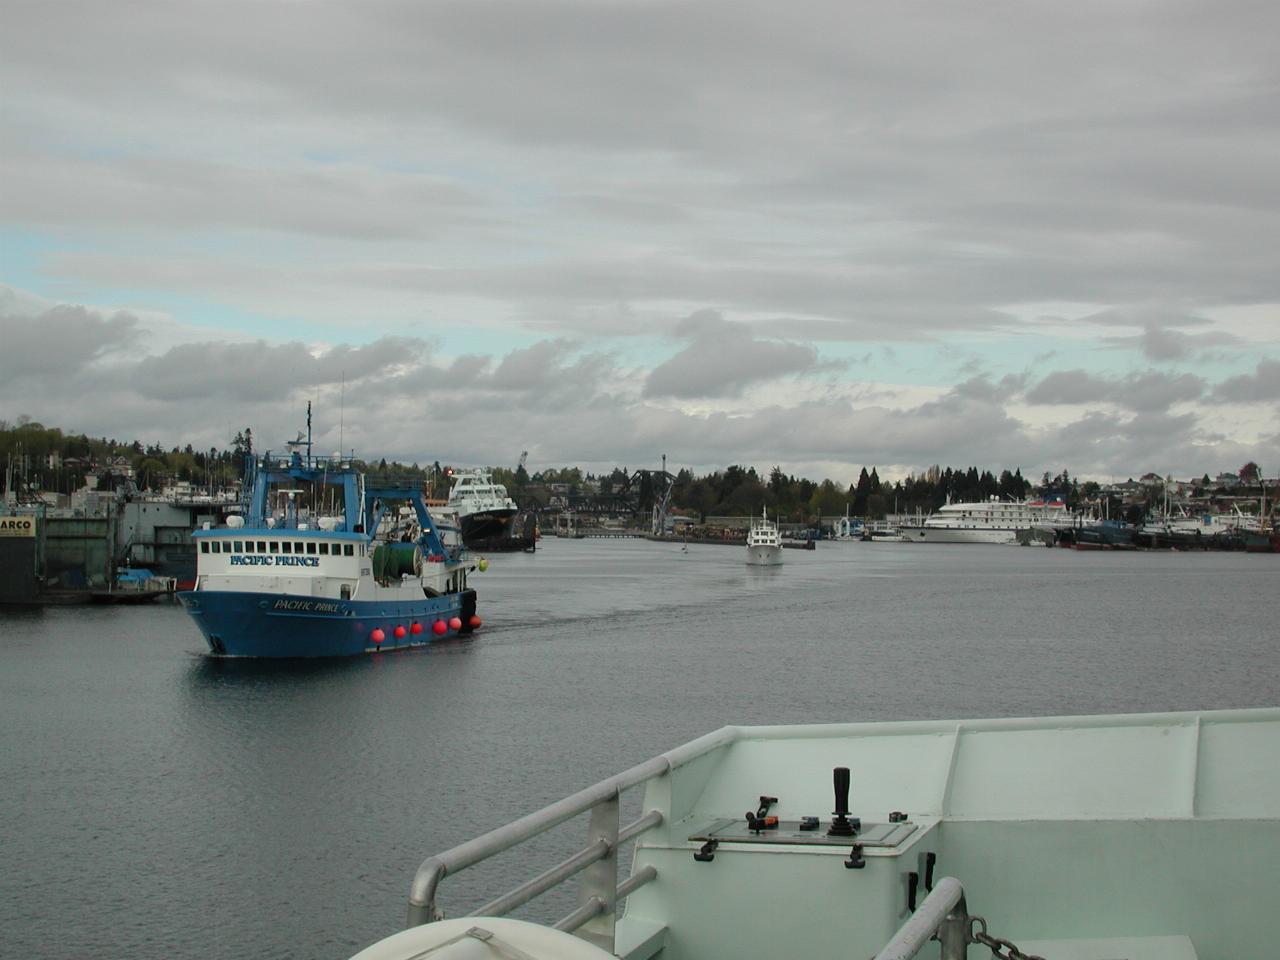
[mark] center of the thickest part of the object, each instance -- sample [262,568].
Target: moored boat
[484,512]
[848,529]
[764,543]
[1105,535]
[1149,836]
[989,521]
[322,565]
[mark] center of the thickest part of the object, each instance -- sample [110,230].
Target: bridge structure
[643,491]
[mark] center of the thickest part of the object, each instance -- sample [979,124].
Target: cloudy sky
[821,234]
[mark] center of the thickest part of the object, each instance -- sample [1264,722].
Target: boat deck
[1075,837]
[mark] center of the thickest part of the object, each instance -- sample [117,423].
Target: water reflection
[208,672]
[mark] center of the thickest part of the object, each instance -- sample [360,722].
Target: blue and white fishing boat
[326,562]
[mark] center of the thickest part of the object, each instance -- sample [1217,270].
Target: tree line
[26,446]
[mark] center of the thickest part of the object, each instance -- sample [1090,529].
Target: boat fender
[482,938]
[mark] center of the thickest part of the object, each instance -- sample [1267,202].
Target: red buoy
[399,632]
[439,628]
[474,621]
[455,623]
[377,636]
[416,628]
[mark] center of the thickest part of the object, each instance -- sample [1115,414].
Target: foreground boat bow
[1113,836]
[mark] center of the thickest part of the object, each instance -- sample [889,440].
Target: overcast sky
[815,234]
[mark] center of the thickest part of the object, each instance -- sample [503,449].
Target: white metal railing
[941,913]
[600,892]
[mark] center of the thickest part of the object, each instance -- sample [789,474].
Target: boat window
[286,547]
[324,549]
[346,550]
[275,546]
[262,546]
[311,547]
[248,546]
[217,547]
[204,546]
[239,546]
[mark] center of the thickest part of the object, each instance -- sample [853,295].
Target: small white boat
[1148,837]
[764,544]
[848,529]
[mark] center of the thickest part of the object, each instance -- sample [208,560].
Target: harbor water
[158,803]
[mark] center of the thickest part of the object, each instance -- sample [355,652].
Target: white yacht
[764,544]
[989,521]
[482,508]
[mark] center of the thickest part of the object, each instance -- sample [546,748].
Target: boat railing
[600,893]
[942,914]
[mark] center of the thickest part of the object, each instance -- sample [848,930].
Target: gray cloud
[981,388]
[61,341]
[894,192]
[723,358]
[1262,385]
[566,406]
[261,372]
[1068,386]
[1164,344]
[1147,392]
[835,177]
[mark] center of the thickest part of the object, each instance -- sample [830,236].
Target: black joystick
[842,825]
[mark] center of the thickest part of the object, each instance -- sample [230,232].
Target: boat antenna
[342,405]
[308,433]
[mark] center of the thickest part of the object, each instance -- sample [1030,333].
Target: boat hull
[249,624]
[487,526]
[959,535]
[764,556]
[1262,542]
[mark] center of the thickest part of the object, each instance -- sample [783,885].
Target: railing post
[953,933]
[600,880]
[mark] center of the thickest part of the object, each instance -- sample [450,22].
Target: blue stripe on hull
[283,625]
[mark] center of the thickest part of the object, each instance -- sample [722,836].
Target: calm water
[155,803]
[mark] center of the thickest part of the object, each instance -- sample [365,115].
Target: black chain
[1002,949]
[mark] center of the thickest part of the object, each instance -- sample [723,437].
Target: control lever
[842,825]
[760,820]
